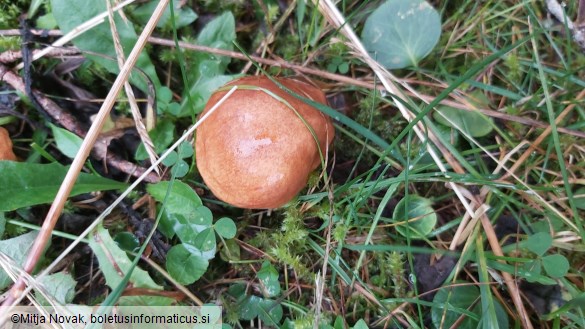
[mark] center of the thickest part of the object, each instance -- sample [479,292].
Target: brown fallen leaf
[6,146]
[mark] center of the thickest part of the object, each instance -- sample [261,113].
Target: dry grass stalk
[330,11]
[140,128]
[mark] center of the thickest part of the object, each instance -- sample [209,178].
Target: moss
[9,43]
[10,12]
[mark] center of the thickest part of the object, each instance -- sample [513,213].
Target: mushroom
[258,148]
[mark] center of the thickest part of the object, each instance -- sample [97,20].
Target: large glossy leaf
[27,184]
[400,33]
[71,13]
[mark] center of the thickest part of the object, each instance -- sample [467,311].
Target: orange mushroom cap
[254,151]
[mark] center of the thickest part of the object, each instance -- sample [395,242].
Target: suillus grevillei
[258,148]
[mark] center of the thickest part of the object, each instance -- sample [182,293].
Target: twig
[11,56]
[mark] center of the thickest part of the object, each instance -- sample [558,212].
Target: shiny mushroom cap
[256,150]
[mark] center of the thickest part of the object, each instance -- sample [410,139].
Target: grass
[338,252]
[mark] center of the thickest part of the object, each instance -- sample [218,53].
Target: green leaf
[127,241]
[220,30]
[60,286]
[532,270]
[450,303]
[185,150]
[270,312]
[114,264]
[201,216]
[182,198]
[71,13]
[420,214]
[200,92]
[183,15]
[46,21]
[16,248]
[180,169]
[361,324]
[208,74]
[230,251]
[184,266]
[162,136]
[249,306]
[173,109]
[332,67]
[34,6]
[205,240]
[27,184]
[400,33]
[225,227]
[268,276]
[340,323]
[184,213]
[170,159]
[539,243]
[556,266]
[472,123]
[67,142]
[164,95]
[185,230]
[343,67]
